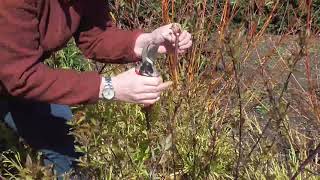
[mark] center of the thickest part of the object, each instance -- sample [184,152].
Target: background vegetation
[245,104]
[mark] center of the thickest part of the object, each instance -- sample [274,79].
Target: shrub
[244,104]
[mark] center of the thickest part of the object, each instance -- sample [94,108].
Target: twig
[176,31]
[101,68]
[295,61]
[259,138]
[241,119]
[118,162]
[306,162]
[172,131]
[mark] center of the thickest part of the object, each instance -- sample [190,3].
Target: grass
[245,104]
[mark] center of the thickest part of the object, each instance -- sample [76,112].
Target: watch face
[108,93]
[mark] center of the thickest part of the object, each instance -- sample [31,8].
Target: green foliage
[116,141]
[12,167]
[69,58]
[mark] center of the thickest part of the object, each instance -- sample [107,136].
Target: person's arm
[21,71]
[99,39]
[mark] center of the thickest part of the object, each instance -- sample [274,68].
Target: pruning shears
[147,66]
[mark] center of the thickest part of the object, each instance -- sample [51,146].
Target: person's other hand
[166,37]
[133,88]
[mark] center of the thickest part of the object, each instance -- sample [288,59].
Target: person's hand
[133,88]
[164,36]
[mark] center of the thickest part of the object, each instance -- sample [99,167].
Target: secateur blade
[147,66]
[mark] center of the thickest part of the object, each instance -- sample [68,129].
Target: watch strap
[108,82]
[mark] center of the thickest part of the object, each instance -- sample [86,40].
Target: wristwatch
[108,91]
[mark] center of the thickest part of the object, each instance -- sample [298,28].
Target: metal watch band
[108,83]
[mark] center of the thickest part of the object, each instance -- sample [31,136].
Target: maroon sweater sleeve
[21,71]
[99,39]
